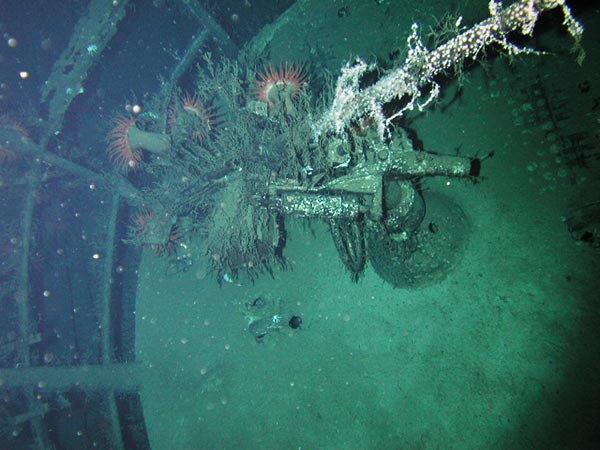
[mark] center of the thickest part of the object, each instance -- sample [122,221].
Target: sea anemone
[168,247]
[158,232]
[192,117]
[8,155]
[126,142]
[279,87]
[121,152]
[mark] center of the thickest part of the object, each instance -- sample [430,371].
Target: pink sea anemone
[122,154]
[194,116]
[278,87]
[127,142]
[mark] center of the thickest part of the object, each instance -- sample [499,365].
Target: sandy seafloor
[502,354]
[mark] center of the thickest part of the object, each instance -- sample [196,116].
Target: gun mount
[371,193]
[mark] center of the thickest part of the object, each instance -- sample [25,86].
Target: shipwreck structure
[212,175]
